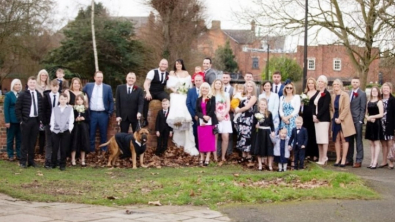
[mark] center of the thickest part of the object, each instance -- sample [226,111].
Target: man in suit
[226,81]
[28,110]
[192,96]
[209,74]
[154,86]
[101,106]
[249,77]
[277,86]
[299,137]
[163,130]
[129,103]
[358,108]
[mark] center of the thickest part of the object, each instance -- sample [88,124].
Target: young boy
[60,79]
[163,130]
[280,151]
[28,110]
[62,123]
[299,137]
[51,100]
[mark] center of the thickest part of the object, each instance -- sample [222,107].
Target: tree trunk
[94,36]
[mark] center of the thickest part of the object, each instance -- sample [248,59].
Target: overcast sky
[216,10]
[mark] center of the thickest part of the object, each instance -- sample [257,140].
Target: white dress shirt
[151,74]
[97,98]
[51,94]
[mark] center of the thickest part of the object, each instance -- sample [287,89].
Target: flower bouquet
[304,99]
[183,89]
[80,109]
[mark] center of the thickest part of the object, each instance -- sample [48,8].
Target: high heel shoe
[374,167]
[336,164]
[206,163]
[201,163]
[73,163]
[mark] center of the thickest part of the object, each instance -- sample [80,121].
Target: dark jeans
[299,158]
[359,146]
[14,132]
[161,145]
[29,130]
[61,142]
[155,95]
[124,125]
[98,119]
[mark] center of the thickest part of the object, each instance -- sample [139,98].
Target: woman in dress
[342,122]
[322,118]
[374,130]
[205,110]
[75,90]
[388,125]
[42,86]
[307,114]
[222,106]
[179,118]
[244,122]
[273,102]
[12,124]
[289,108]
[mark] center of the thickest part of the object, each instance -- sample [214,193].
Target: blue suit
[299,139]
[14,131]
[99,118]
[192,97]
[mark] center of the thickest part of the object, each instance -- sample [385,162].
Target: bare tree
[94,35]
[355,24]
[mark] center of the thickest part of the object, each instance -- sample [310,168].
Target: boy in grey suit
[358,108]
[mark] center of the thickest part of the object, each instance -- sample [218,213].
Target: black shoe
[336,164]
[22,165]
[62,168]
[31,165]
[47,167]
[342,165]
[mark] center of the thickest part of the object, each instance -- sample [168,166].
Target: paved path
[13,210]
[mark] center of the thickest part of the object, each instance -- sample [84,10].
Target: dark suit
[299,139]
[210,75]
[47,109]
[358,109]
[99,118]
[164,129]
[14,131]
[192,97]
[29,125]
[390,122]
[128,105]
[279,91]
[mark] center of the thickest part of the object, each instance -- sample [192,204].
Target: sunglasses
[288,88]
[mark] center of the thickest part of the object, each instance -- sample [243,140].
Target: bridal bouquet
[183,89]
[304,99]
[260,117]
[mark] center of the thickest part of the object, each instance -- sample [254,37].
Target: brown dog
[137,144]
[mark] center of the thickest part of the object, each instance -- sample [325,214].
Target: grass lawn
[211,186]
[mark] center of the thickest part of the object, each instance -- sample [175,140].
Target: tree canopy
[224,59]
[289,68]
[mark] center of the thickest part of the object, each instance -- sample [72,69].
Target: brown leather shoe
[357,165]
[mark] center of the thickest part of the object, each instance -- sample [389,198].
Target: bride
[179,118]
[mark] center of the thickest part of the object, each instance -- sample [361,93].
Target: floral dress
[244,127]
[224,126]
[288,109]
[384,119]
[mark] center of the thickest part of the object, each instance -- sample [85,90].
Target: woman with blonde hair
[289,108]
[245,121]
[307,114]
[43,81]
[75,90]
[342,122]
[388,125]
[322,118]
[222,107]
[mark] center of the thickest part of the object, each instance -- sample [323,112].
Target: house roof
[137,21]
[241,36]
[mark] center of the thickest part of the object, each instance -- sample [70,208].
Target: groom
[154,87]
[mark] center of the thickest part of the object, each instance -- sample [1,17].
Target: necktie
[164,112]
[225,88]
[197,90]
[54,101]
[276,89]
[163,78]
[34,105]
[130,90]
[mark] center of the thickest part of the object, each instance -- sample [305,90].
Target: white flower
[80,108]
[259,116]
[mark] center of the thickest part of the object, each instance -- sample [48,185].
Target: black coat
[128,105]
[323,114]
[47,107]
[210,109]
[390,125]
[23,105]
[161,124]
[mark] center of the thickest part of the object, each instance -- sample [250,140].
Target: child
[80,133]
[299,138]
[62,122]
[237,97]
[163,130]
[281,153]
[51,100]
[262,145]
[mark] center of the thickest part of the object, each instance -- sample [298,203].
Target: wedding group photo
[221,107]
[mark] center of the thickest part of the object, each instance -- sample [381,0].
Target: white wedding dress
[179,118]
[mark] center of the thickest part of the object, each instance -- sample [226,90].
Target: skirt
[322,132]
[206,139]
[225,126]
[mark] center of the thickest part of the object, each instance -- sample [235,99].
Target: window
[245,48]
[337,64]
[255,63]
[311,64]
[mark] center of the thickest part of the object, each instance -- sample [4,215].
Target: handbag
[215,130]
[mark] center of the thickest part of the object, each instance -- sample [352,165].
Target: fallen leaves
[155,203]
[283,182]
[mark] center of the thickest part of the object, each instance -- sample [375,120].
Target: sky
[216,10]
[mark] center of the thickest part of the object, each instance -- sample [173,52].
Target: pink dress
[206,137]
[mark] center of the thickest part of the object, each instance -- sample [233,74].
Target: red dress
[206,137]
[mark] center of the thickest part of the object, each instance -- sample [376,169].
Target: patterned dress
[384,119]
[244,127]
[288,109]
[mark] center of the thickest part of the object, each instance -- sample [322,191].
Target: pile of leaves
[284,182]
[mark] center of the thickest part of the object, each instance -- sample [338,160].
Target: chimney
[253,25]
[215,24]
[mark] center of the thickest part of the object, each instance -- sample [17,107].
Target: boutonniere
[167,77]
[355,94]
[134,88]
[323,94]
[206,100]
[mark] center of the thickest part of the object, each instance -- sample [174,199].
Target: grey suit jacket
[230,91]
[210,76]
[358,106]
